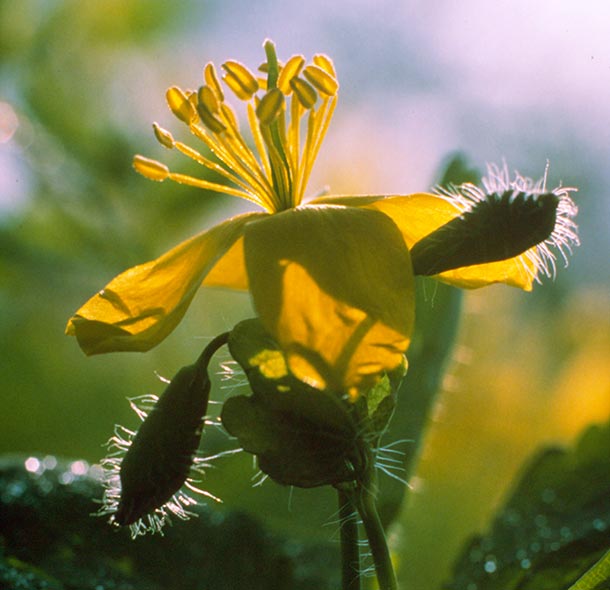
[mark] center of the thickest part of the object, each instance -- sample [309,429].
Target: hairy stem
[363,499]
[377,542]
[350,552]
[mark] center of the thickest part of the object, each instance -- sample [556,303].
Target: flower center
[292,101]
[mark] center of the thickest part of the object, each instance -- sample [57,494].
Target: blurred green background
[80,84]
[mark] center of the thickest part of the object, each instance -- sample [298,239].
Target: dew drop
[12,491]
[525,564]
[599,525]
[49,462]
[66,478]
[32,464]
[79,467]
[490,566]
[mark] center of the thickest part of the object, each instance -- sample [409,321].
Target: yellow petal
[334,286]
[516,272]
[418,215]
[141,306]
[230,270]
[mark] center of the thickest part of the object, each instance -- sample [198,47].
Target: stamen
[206,115]
[240,80]
[304,92]
[211,79]
[324,62]
[274,174]
[258,141]
[270,106]
[180,105]
[197,157]
[212,186]
[321,79]
[164,137]
[150,169]
[208,98]
[292,69]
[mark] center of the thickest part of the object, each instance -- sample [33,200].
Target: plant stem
[350,551]
[364,500]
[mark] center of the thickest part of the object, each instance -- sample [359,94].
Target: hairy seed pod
[161,454]
[496,228]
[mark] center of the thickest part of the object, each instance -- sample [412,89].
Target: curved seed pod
[496,228]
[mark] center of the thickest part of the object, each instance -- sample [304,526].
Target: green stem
[364,500]
[598,574]
[350,552]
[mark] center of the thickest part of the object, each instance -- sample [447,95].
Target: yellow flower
[331,280]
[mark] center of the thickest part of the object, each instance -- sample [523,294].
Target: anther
[304,91]
[207,96]
[213,123]
[164,137]
[180,105]
[321,79]
[240,80]
[324,62]
[292,68]
[150,169]
[269,106]
[211,79]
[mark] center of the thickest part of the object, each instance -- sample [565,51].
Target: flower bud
[161,454]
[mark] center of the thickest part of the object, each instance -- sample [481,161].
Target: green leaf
[302,436]
[553,527]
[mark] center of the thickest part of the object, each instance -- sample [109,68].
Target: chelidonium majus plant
[332,283]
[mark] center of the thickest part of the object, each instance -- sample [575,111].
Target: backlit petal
[334,286]
[418,215]
[142,305]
